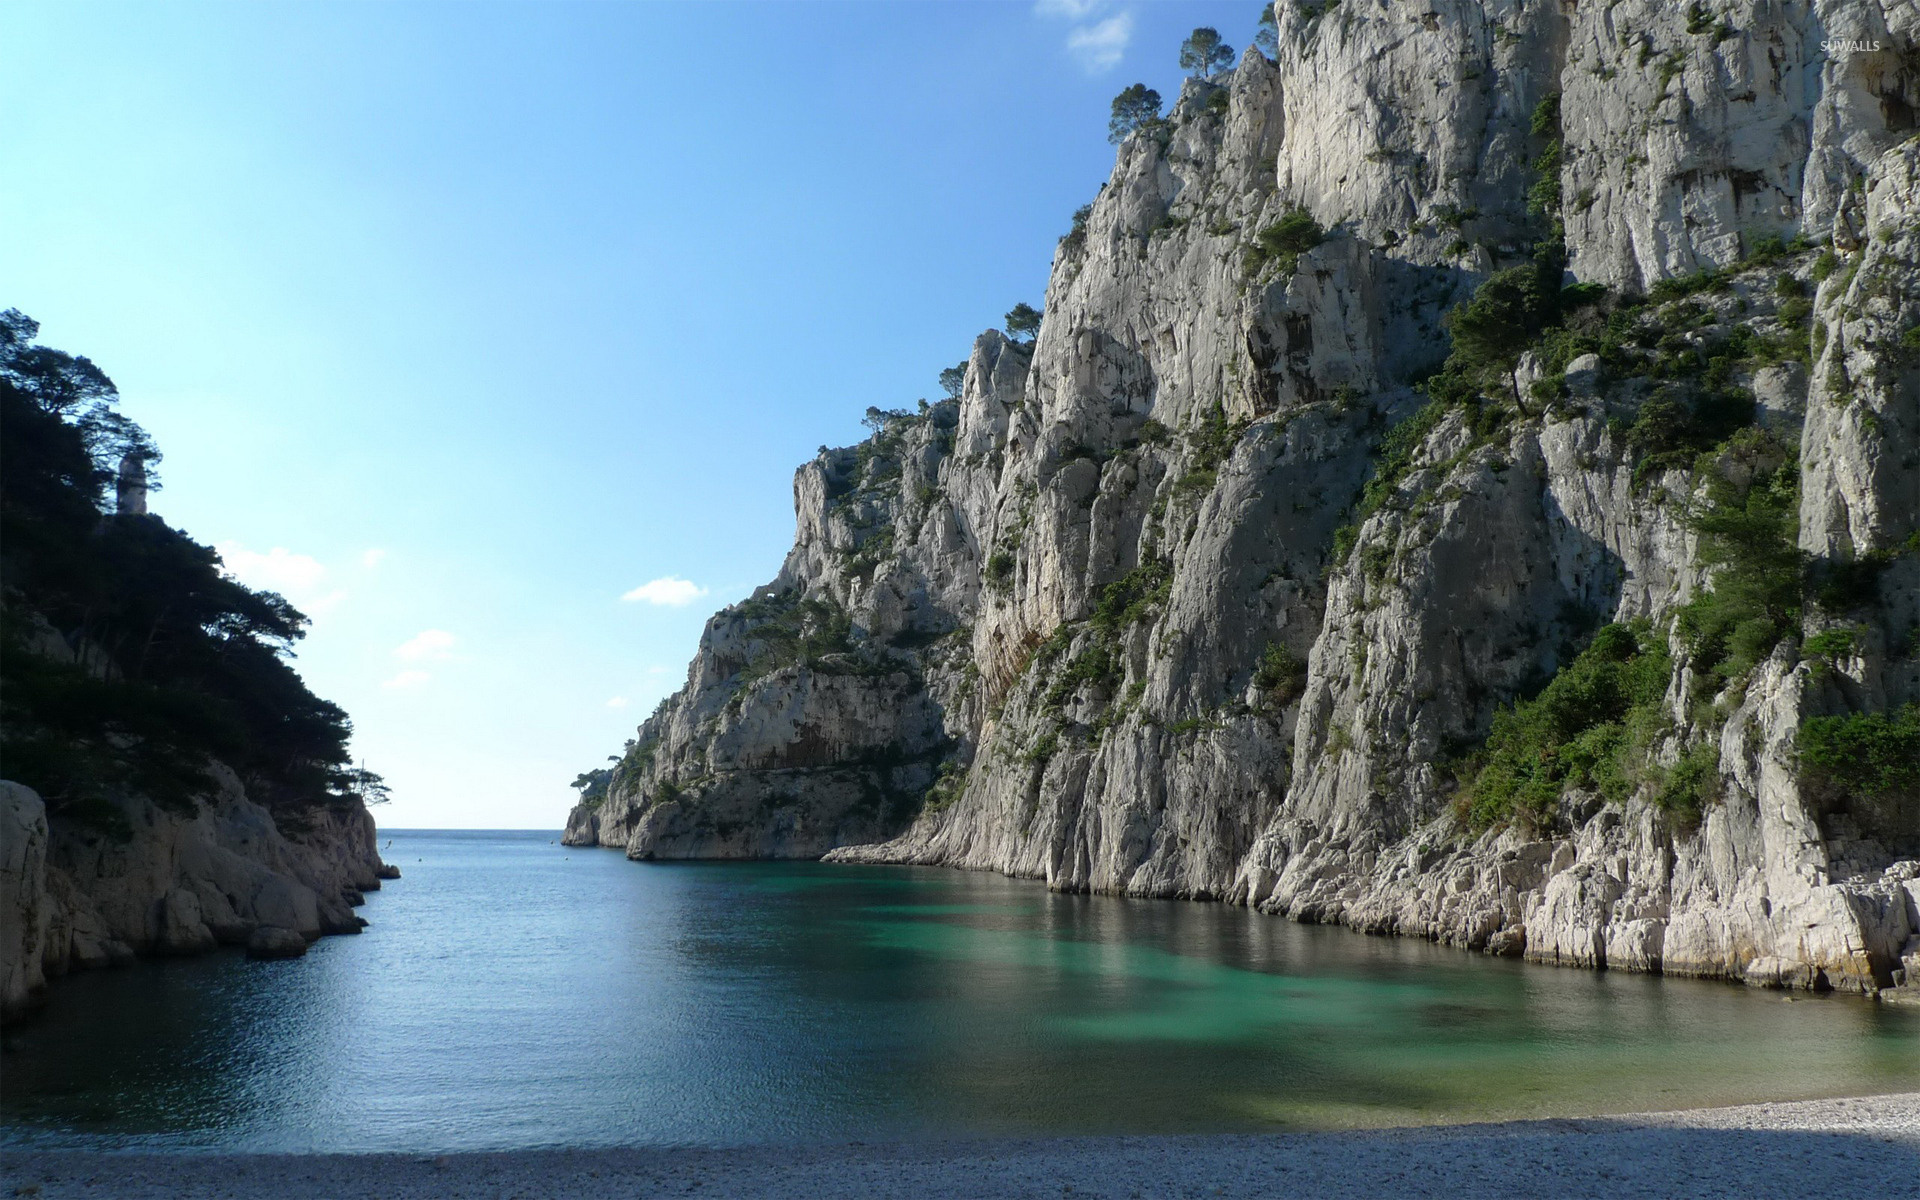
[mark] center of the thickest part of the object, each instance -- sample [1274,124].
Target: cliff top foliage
[1204,53]
[178,663]
[1266,34]
[953,380]
[1135,110]
[593,785]
[1023,322]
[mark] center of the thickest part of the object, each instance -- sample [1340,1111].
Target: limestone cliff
[1218,588]
[72,900]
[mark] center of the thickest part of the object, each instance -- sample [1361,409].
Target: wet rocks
[273,941]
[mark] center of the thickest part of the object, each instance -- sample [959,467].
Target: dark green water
[515,993]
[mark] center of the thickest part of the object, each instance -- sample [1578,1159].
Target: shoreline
[1907,995]
[1865,1144]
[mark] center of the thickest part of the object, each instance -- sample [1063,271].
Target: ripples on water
[516,993]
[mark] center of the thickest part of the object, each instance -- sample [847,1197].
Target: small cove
[514,993]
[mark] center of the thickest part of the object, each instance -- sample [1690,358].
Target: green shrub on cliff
[1871,754]
[1502,320]
[1687,787]
[795,630]
[1284,241]
[1125,602]
[592,786]
[1588,728]
[1747,536]
[1280,675]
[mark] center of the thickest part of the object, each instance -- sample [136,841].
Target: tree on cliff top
[1135,109]
[1023,322]
[953,379]
[1266,35]
[1203,53]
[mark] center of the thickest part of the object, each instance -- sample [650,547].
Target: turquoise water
[515,993]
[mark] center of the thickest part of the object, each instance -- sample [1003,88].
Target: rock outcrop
[24,912]
[76,898]
[1201,595]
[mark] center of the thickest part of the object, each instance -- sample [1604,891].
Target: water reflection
[512,994]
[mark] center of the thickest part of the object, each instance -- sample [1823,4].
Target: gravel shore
[1868,1146]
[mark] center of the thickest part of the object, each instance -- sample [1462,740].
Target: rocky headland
[178,787]
[227,875]
[1466,485]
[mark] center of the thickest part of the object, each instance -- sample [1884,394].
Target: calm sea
[513,992]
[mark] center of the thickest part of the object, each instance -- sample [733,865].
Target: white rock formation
[24,914]
[82,897]
[1093,623]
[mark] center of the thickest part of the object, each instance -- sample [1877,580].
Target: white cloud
[1100,46]
[428,644]
[1097,45]
[669,590]
[301,578]
[407,679]
[1073,10]
[657,669]
[617,702]
[372,558]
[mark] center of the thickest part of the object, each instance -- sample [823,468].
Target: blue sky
[458,323]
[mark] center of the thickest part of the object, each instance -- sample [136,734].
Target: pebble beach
[1858,1146]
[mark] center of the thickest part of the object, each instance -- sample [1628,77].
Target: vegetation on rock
[1135,110]
[1203,53]
[1590,727]
[131,660]
[1023,322]
[1870,754]
[1284,241]
[1746,529]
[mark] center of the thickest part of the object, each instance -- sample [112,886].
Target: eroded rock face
[77,899]
[24,913]
[1121,618]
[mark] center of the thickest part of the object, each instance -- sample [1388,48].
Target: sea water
[512,992]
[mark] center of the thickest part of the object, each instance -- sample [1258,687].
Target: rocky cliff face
[71,899]
[1209,592]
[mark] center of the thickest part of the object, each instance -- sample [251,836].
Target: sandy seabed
[1865,1146]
